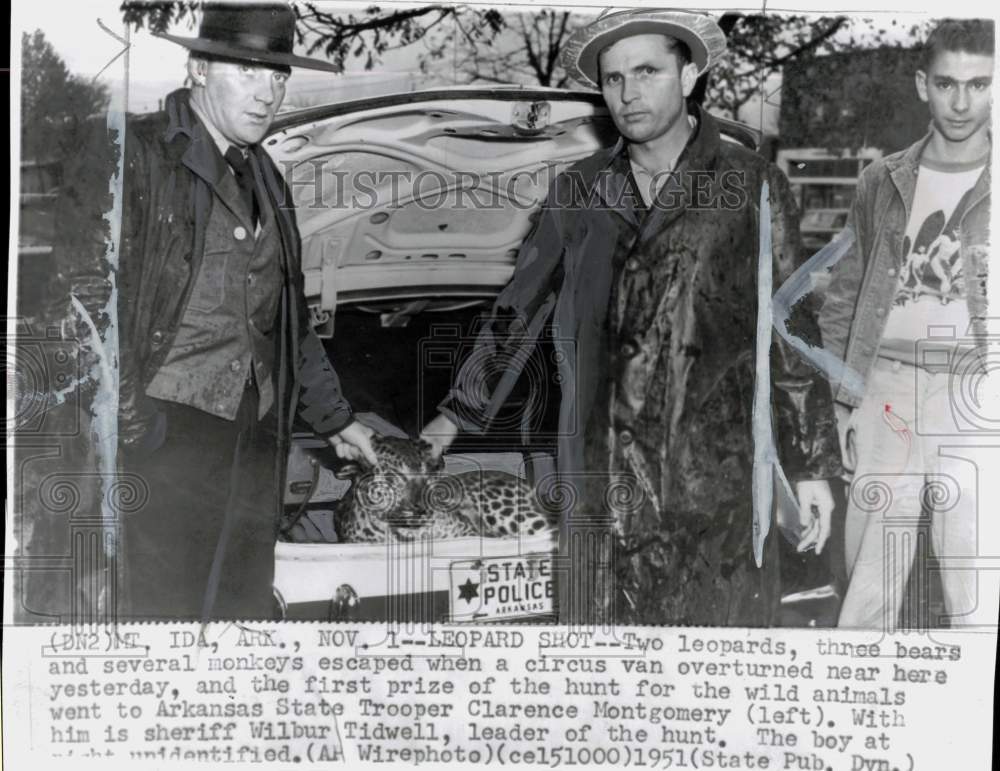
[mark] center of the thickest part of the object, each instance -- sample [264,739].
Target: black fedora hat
[249,32]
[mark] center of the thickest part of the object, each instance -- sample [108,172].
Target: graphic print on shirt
[932,267]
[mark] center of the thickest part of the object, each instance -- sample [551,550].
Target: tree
[868,100]
[757,46]
[761,45]
[525,49]
[373,34]
[54,102]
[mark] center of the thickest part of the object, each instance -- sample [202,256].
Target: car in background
[411,209]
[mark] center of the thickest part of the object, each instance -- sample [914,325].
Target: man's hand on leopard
[354,443]
[439,434]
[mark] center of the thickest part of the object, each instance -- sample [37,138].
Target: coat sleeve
[321,403]
[505,340]
[806,429]
[140,428]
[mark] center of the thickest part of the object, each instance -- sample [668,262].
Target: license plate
[501,588]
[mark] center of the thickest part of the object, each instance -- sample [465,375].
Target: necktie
[245,180]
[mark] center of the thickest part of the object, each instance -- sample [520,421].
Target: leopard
[407,496]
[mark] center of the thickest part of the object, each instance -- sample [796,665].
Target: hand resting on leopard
[407,496]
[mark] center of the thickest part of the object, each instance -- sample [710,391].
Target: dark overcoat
[654,320]
[170,169]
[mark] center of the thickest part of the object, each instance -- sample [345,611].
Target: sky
[74,32]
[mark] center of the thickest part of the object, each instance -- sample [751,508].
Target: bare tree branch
[377,23]
[809,45]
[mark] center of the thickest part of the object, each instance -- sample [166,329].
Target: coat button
[236,366]
[625,436]
[157,337]
[880,312]
[632,264]
[250,279]
[892,272]
[629,349]
[240,233]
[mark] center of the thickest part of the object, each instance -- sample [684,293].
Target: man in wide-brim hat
[644,261]
[217,354]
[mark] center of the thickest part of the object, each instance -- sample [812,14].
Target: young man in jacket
[644,261]
[905,311]
[217,355]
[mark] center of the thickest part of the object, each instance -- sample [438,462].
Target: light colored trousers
[919,454]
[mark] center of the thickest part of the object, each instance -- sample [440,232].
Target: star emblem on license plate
[468,591]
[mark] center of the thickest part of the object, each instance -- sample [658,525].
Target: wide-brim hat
[704,38]
[263,34]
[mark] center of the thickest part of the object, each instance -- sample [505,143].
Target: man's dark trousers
[202,547]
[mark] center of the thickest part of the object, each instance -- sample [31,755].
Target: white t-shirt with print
[931,288]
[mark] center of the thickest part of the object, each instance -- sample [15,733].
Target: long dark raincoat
[654,317]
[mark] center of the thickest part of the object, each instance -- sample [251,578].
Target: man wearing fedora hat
[217,355]
[644,261]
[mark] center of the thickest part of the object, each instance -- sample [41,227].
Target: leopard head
[393,489]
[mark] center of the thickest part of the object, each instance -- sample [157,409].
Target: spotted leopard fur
[407,497]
